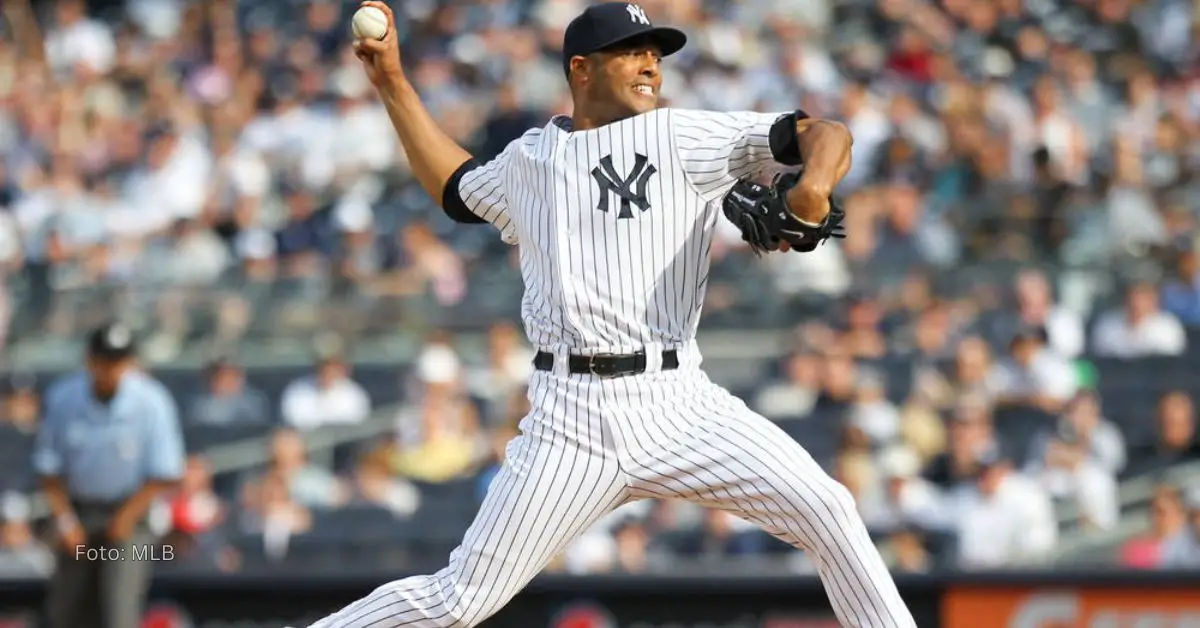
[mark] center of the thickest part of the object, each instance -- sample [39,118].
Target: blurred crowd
[1022,209]
[960,459]
[185,162]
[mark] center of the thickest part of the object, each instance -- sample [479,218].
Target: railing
[197,319]
[1138,490]
[253,452]
[1092,545]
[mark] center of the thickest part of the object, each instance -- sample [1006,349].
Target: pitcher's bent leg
[548,491]
[715,451]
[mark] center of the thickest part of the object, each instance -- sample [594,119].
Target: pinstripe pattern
[597,282]
[637,282]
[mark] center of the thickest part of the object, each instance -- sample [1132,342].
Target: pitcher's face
[624,80]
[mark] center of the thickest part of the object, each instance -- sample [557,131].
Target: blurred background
[1014,320]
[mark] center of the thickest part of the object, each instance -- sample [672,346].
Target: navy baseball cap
[610,23]
[112,342]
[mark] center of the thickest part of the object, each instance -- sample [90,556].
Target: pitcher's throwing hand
[381,57]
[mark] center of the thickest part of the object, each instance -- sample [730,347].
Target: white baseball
[369,23]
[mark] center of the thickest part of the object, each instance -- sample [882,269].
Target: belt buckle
[599,371]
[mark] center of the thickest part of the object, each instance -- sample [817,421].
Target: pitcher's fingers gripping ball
[369,23]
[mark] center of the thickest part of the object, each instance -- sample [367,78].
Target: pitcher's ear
[579,68]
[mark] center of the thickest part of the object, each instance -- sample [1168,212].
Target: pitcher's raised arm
[468,191]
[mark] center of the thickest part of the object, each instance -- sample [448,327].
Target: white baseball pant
[590,445]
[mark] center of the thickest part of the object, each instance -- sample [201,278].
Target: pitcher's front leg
[548,492]
[714,451]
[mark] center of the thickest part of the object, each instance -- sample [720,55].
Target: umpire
[108,444]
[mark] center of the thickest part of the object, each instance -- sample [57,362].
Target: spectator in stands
[1034,376]
[379,485]
[620,542]
[508,121]
[441,439]
[838,379]
[971,435]
[22,554]
[1167,519]
[1176,441]
[275,516]
[77,42]
[229,399]
[438,363]
[1082,421]
[906,497]
[974,374]
[309,485]
[721,537]
[359,252]
[428,265]
[863,336]
[1004,520]
[327,397]
[905,552]
[1069,474]
[931,337]
[1141,329]
[197,517]
[904,303]
[1182,551]
[1181,294]
[634,553]
[921,428]
[795,395]
[822,273]
[1036,308]
[872,415]
[856,471]
[304,237]
[506,373]
[623,550]
[22,405]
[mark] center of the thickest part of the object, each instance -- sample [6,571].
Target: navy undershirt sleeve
[452,202]
[785,147]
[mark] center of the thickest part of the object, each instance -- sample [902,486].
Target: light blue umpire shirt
[105,452]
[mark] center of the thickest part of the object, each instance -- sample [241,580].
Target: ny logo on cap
[637,14]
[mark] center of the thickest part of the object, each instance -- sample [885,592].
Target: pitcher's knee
[833,500]
[467,605]
[438,601]
[465,614]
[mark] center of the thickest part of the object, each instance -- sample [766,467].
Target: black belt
[606,365]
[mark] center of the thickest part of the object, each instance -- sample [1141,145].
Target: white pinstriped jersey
[615,224]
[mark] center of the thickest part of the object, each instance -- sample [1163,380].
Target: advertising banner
[1074,607]
[697,614]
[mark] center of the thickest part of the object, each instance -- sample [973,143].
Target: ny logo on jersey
[637,14]
[630,189]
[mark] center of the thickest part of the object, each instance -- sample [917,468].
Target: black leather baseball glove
[763,215]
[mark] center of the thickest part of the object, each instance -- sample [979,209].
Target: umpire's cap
[112,341]
[607,24]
